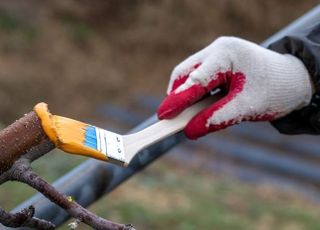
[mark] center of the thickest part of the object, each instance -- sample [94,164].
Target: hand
[261,85]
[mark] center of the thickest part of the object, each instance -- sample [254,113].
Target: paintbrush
[79,138]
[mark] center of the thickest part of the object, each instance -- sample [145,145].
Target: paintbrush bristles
[69,130]
[72,137]
[66,133]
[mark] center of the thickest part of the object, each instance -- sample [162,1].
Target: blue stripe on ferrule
[90,138]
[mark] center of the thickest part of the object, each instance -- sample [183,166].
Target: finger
[209,75]
[175,103]
[181,79]
[201,81]
[214,55]
[181,72]
[227,111]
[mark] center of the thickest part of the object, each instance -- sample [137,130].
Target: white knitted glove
[262,85]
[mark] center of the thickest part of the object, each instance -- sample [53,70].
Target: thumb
[228,111]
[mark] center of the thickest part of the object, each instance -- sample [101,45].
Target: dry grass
[76,55]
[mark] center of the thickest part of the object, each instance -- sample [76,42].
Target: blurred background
[108,63]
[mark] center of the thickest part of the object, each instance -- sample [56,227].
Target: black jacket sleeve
[306,46]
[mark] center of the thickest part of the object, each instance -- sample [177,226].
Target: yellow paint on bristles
[67,134]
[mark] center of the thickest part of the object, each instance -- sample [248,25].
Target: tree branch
[23,137]
[24,218]
[22,172]
[21,143]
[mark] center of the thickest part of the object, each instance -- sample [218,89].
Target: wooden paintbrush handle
[164,128]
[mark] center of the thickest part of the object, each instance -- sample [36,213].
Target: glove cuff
[291,85]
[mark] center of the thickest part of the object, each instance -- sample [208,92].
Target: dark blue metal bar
[186,157]
[252,154]
[265,159]
[302,145]
[307,20]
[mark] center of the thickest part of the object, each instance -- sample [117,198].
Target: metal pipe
[308,19]
[92,179]
[281,162]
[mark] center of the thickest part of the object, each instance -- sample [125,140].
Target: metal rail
[259,133]
[249,161]
[288,161]
[93,179]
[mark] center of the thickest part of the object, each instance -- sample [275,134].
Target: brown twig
[22,137]
[24,218]
[21,171]
[20,144]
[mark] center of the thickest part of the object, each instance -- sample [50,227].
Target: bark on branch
[24,218]
[21,143]
[22,137]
